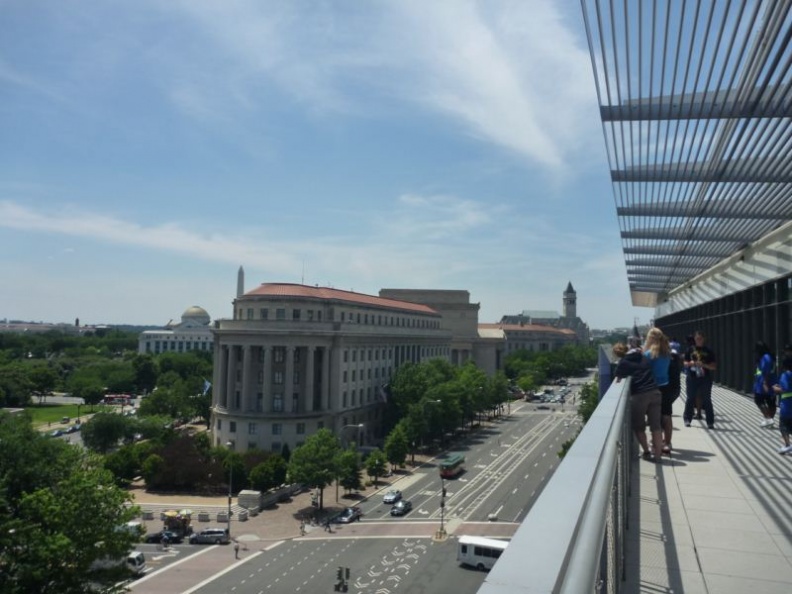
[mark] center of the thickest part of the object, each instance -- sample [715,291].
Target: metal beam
[710,210]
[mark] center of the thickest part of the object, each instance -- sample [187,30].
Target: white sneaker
[786,449]
[763,422]
[782,449]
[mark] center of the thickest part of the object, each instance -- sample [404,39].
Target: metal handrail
[571,541]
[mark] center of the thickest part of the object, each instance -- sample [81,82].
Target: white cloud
[508,73]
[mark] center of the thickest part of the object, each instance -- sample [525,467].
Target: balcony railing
[572,540]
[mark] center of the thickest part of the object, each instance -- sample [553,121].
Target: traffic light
[346,573]
[340,574]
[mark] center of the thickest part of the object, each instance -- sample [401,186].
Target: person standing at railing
[658,351]
[764,380]
[784,391]
[645,398]
[700,363]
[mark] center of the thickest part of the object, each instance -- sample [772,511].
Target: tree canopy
[314,463]
[60,511]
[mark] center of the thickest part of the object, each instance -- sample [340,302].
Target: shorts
[667,401]
[646,405]
[785,425]
[765,401]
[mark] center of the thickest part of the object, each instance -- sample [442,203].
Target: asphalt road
[507,465]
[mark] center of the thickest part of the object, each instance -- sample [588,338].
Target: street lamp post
[229,445]
[78,412]
[441,534]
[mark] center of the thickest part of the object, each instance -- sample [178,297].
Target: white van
[136,562]
[479,552]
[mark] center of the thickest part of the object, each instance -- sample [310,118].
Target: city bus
[116,399]
[479,552]
[452,465]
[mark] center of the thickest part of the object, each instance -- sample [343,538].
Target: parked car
[173,537]
[210,536]
[56,433]
[392,496]
[349,515]
[401,507]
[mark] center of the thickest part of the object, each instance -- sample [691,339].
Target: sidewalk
[715,518]
[279,522]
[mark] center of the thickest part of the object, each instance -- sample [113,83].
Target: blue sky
[151,148]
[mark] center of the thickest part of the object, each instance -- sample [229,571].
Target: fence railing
[572,540]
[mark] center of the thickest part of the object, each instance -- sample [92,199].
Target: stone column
[220,392]
[325,386]
[247,370]
[266,384]
[231,377]
[288,384]
[310,352]
[334,381]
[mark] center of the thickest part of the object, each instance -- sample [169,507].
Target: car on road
[349,515]
[55,433]
[210,536]
[401,507]
[542,407]
[392,496]
[173,537]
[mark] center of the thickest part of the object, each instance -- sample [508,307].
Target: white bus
[479,552]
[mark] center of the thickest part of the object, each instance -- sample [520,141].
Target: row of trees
[91,366]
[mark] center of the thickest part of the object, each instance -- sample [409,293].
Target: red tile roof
[525,328]
[328,294]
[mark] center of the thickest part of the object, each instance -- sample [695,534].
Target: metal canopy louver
[695,100]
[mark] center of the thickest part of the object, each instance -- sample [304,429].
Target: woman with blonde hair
[657,350]
[644,396]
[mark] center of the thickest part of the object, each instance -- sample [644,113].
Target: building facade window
[232,426]
[277,429]
[252,429]
[263,313]
[300,428]
[277,403]
[277,378]
[280,313]
[279,354]
[296,313]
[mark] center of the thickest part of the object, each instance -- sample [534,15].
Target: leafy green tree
[124,464]
[376,464]
[15,386]
[235,470]
[59,513]
[588,400]
[313,463]
[105,431]
[146,373]
[348,466]
[89,388]
[43,379]
[153,470]
[397,446]
[269,474]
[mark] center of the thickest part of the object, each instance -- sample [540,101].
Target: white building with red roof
[296,358]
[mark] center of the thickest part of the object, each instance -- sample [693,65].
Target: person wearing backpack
[784,390]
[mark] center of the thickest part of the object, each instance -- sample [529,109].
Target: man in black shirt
[700,364]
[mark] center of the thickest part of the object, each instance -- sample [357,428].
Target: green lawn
[53,413]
